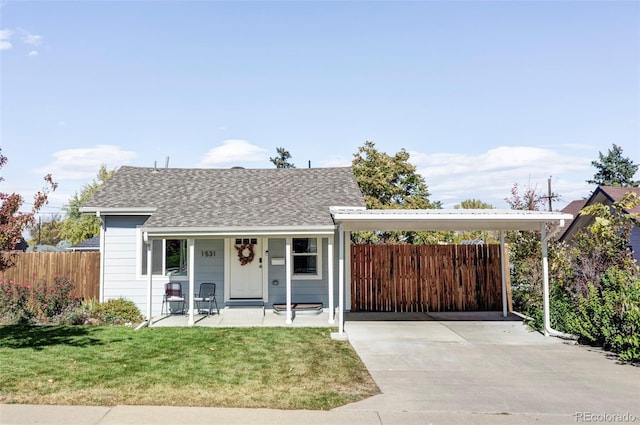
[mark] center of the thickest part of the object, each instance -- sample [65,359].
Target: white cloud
[5,44]
[25,37]
[234,153]
[31,39]
[489,176]
[84,163]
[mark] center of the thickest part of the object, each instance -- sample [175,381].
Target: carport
[359,219]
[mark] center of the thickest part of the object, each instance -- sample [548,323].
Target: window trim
[140,256]
[319,262]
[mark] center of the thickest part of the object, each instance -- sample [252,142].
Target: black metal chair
[207,295]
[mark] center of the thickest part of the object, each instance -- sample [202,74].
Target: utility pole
[550,196]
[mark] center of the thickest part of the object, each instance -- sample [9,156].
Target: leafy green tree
[282,160]
[614,169]
[389,181]
[12,221]
[78,227]
[525,250]
[475,236]
[473,204]
[46,232]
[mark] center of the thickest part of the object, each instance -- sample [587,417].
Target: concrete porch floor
[244,317]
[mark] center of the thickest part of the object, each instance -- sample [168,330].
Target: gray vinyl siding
[120,256]
[120,265]
[302,291]
[210,269]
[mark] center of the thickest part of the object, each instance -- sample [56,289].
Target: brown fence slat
[37,268]
[405,278]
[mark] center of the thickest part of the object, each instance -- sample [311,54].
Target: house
[606,195]
[91,244]
[264,236]
[236,227]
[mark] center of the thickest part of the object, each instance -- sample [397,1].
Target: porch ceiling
[356,219]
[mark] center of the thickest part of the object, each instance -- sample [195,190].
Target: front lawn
[284,368]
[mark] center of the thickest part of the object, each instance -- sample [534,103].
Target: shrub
[118,311]
[15,308]
[52,300]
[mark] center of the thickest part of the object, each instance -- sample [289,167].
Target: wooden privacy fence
[81,268]
[423,278]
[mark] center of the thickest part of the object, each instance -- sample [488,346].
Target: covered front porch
[244,317]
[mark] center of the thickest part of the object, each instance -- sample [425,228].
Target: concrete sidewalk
[21,414]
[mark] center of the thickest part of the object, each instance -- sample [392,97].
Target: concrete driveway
[489,371]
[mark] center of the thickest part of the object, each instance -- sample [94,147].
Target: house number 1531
[208,253]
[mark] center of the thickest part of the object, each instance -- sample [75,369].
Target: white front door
[245,268]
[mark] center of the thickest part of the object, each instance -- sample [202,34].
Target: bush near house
[53,304]
[595,283]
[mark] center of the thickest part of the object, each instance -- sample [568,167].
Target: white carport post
[340,280]
[503,274]
[330,270]
[149,277]
[545,280]
[192,278]
[287,251]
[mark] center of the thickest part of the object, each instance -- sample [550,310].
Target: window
[307,261]
[169,257]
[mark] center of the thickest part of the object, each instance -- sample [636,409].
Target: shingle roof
[87,245]
[231,197]
[603,194]
[617,193]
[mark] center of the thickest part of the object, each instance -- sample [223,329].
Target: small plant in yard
[117,311]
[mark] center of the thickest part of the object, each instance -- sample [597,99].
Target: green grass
[285,368]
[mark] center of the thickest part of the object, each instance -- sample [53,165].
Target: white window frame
[140,255]
[318,254]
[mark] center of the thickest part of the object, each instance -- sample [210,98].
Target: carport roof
[359,219]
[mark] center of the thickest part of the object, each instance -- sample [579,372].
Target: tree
[78,227]
[46,232]
[12,221]
[389,181]
[614,170]
[282,160]
[528,200]
[525,250]
[473,204]
[480,236]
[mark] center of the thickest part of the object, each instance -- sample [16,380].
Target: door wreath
[245,253]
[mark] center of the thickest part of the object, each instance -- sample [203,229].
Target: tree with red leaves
[12,221]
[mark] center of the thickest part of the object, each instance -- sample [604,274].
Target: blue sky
[482,94]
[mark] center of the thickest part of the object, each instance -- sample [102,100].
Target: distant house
[91,244]
[606,195]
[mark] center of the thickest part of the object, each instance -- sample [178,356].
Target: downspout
[548,330]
